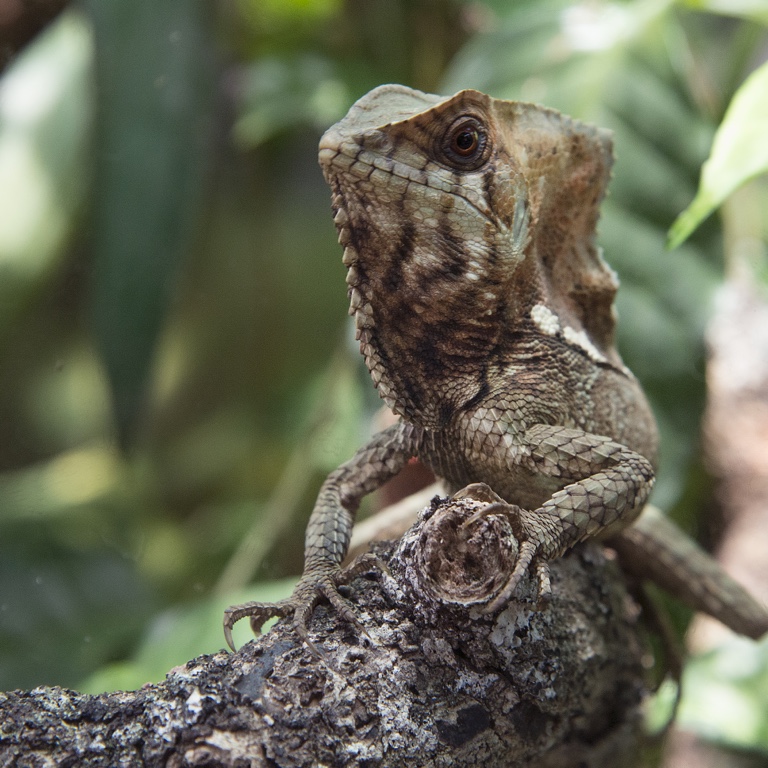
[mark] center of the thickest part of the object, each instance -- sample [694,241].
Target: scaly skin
[484,312]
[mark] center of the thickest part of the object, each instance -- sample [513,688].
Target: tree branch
[442,684]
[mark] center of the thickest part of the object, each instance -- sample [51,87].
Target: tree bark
[435,683]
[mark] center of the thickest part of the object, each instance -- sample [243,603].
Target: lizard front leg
[606,486]
[328,533]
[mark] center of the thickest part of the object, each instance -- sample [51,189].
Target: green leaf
[739,153]
[64,613]
[62,485]
[153,133]
[272,13]
[281,93]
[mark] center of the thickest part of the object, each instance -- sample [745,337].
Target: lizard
[484,310]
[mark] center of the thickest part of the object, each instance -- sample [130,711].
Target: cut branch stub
[462,550]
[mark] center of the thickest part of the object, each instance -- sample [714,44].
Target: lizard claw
[259,613]
[306,595]
[493,508]
[526,559]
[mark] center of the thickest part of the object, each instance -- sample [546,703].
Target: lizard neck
[428,319]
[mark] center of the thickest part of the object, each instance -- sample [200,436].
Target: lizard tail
[655,549]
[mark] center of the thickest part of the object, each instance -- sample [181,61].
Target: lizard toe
[301,604]
[526,554]
[545,584]
[493,508]
[259,613]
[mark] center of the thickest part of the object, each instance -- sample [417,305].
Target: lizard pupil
[466,141]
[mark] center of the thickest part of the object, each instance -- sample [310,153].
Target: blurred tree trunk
[736,446]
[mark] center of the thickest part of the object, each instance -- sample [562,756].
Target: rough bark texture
[441,685]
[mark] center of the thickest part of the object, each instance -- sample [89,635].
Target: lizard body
[484,311]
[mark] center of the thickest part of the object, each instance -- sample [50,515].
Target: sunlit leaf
[739,153]
[63,484]
[273,12]
[283,93]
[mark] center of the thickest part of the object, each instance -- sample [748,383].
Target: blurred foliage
[45,106]
[726,695]
[177,375]
[179,634]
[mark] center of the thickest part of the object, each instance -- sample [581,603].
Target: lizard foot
[531,536]
[307,594]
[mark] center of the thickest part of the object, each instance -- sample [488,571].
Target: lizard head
[461,218]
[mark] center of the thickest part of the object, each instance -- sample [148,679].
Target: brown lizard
[484,311]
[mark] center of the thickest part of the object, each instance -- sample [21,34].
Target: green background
[177,372]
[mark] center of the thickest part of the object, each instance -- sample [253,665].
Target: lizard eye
[464,143]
